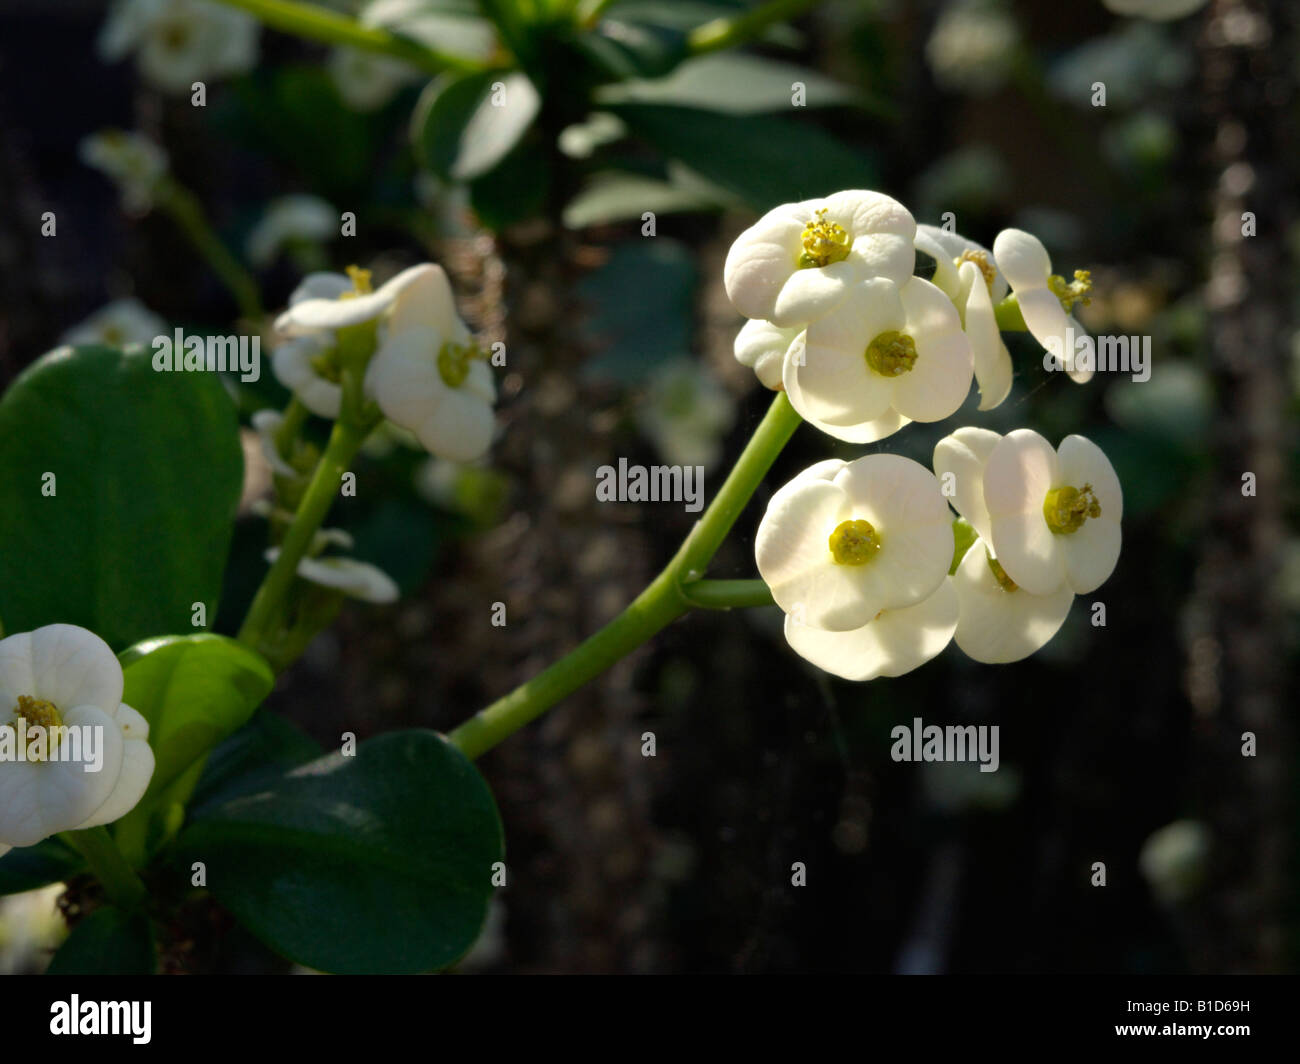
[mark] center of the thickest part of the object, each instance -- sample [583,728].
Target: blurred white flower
[973,46]
[305,365]
[367,81]
[762,347]
[800,259]
[31,928]
[1136,62]
[1045,298]
[267,424]
[1156,10]
[1174,859]
[844,540]
[332,301]
[179,42]
[886,348]
[133,162]
[61,675]
[356,579]
[685,413]
[1053,517]
[893,643]
[428,376]
[126,324]
[289,220]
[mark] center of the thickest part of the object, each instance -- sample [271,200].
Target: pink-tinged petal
[998,626]
[964,454]
[1023,260]
[896,642]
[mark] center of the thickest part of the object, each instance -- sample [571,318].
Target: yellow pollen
[1065,509]
[360,282]
[40,714]
[823,242]
[981,259]
[1072,292]
[1000,575]
[891,354]
[854,542]
[454,361]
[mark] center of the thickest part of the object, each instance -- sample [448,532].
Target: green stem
[321,24]
[295,416]
[186,210]
[729,32]
[123,887]
[1009,316]
[265,614]
[669,595]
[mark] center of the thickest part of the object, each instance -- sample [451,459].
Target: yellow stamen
[823,242]
[454,361]
[360,282]
[854,542]
[1072,292]
[1065,509]
[40,714]
[981,259]
[891,354]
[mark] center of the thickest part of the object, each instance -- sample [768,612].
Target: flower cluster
[874,575]
[860,344]
[85,758]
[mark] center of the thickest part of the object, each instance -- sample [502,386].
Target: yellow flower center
[823,242]
[981,259]
[1066,509]
[454,361]
[1000,575]
[39,714]
[854,542]
[360,282]
[891,354]
[1072,292]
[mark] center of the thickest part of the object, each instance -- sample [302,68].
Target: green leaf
[31,867]
[765,161]
[462,127]
[453,27]
[259,753]
[194,690]
[619,50]
[515,190]
[616,197]
[147,470]
[735,82]
[107,942]
[379,862]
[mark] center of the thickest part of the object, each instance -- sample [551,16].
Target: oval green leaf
[119,490]
[107,942]
[32,867]
[463,126]
[376,863]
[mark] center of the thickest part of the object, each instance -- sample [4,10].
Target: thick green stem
[670,594]
[1009,316]
[187,212]
[266,612]
[729,32]
[119,880]
[321,24]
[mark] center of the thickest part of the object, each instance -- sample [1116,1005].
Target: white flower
[950,251]
[64,675]
[885,348]
[288,220]
[959,462]
[896,642]
[800,259]
[973,46]
[999,621]
[1156,10]
[332,301]
[267,424]
[685,413]
[429,376]
[179,42]
[133,162]
[302,364]
[1053,517]
[367,81]
[31,928]
[1045,298]
[1173,860]
[762,347]
[356,579]
[843,541]
[124,323]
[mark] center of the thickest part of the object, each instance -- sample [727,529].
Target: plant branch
[728,32]
[119,880]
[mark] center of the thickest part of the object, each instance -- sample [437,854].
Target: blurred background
[1120,744]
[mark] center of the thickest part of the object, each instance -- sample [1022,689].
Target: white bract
[686,413]
[133,162]
[126,324]
[304,365]
[999,621]
[64,676]
[333,301]
[429,376]
[950,252]
[356,579]
[1045,298]
[1053,517]
[288,220]
[762,347]
[888,348]
[179,42]
[845,540]
[800,259]
[267,425]
[959,462]
[896,642]
[973,46]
